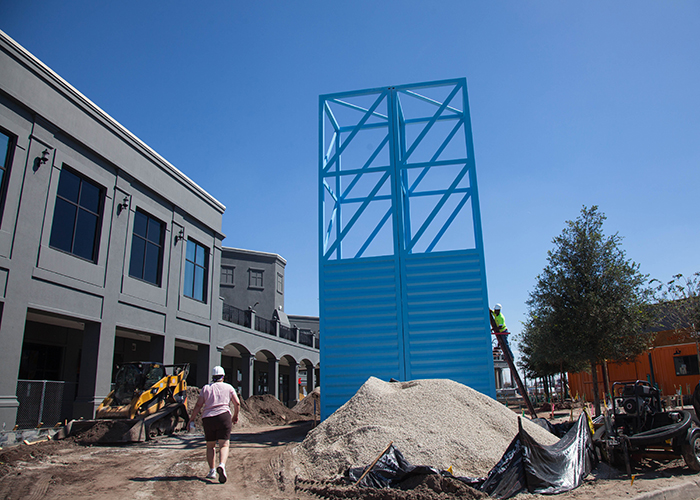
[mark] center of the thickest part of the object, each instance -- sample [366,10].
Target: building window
[280,283]
[77,216]
[196,266]
[6,148]
[147,248]
[227,275]
[686,365]
[255,278]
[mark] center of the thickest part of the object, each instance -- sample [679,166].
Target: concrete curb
[685,491]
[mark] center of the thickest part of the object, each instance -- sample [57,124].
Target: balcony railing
[288,333]
[232,314]
[306,337]
[265,325]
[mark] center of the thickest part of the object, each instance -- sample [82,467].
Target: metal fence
[41,402]
[265,325]
[306,337]
[241,317]
[234,315]
[288,333]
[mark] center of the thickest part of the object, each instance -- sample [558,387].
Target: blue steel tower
[401,258]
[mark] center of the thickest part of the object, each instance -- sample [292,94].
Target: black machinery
[639,427]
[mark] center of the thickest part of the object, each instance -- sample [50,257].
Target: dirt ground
[173,467]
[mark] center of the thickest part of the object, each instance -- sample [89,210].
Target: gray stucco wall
[67,319]
[243,293]
[99,299]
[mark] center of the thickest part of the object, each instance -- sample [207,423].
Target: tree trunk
[596,395]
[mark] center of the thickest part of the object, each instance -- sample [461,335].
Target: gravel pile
[439,423]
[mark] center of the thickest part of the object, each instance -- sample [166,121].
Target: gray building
[251,279]
[263,343]
[108,254]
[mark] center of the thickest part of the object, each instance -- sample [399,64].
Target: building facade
[671,364]
[108,254]
[260,342]
[252,280]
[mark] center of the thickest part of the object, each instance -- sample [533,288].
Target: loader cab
[133,378]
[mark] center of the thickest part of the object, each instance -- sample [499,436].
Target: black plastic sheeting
[526,464]
[561,466]
[559,430]
[389,471]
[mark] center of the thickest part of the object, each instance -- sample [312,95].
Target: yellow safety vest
[500,321]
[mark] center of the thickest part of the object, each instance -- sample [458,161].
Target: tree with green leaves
[588,304]
[679,301]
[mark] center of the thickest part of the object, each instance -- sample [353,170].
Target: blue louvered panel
[360,327]
[445,322]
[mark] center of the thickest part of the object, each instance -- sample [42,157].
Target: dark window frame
[5,168]
[146,239]
[280,283]
[690,362]
[255,276]
[79,209]
[225,273]
[189,288]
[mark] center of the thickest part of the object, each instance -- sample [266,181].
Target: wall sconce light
[180,235]
[44,156]
[123,205]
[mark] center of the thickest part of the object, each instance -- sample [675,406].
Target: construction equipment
[511,365]
[148,399]
[639,427]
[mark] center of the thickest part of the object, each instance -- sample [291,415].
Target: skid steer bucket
[170,419]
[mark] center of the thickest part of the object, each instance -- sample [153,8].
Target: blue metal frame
[402,279]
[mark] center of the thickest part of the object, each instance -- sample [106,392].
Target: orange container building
[672,364]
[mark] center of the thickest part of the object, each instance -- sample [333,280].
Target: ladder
[511,365]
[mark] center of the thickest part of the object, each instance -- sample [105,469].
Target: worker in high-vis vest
[500,319]
[501,324]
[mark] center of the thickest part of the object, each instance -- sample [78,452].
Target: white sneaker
[211,475]
[222,473]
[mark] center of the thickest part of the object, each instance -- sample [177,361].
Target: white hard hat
[217,371]
[497,307]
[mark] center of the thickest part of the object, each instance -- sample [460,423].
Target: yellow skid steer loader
[148,399]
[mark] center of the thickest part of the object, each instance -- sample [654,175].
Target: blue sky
[572,104]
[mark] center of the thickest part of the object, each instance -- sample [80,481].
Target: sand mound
[439,423]
[268,410]
[306,405]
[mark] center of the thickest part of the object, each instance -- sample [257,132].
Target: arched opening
[235,362]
